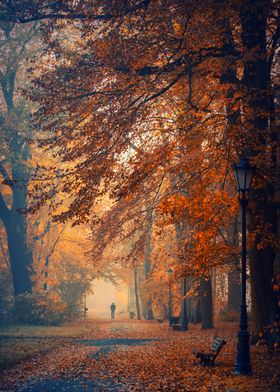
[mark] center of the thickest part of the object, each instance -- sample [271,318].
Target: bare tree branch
[43,233]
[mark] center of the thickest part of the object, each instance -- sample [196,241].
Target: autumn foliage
[140,108]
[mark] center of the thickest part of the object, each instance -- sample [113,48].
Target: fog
[104,293]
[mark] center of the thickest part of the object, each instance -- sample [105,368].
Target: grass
[73,329]
[15,345]
[14,350]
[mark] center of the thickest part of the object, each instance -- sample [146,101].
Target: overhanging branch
[10,12]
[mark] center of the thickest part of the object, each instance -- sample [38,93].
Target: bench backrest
[217,345]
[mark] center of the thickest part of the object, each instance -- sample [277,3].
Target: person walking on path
[113,308]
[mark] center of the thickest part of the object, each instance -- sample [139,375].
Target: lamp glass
[243,173]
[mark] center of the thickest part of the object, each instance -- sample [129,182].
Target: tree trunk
[196,316]
[263,214]
[185,303]
[136,294]
[131,299]
[147,310]
[234,289]
[205,290]
[20,255]
[147,303]
[20,258]
[234,121]
[14,168]
[234,284]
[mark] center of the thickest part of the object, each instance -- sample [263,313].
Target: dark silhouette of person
[113,308]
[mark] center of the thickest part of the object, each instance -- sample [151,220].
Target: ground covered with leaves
[18,342]
[141,356]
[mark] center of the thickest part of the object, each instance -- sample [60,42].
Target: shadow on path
[108,345]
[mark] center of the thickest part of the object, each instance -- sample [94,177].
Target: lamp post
[243,173]
[170,272]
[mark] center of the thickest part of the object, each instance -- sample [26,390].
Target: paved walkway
[81,384]
[140,356]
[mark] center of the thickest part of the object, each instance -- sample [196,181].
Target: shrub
[39,309]
[6,297]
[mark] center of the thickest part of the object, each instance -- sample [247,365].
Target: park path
[140,356]
[75,365]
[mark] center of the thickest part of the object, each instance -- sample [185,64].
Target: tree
[176,83]
[206,303]
[259,110]
[147,304]
[15,166]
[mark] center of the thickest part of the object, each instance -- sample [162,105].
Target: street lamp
[170,272]
[243,173]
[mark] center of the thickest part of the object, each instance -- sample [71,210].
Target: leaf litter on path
[143,356]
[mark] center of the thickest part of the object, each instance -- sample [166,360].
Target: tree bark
[234,284]
[20,255]
[18,153]
[234,289]
[205,290]
[137,303]
[131,299]
[263,213]
[147,303]
[196,316]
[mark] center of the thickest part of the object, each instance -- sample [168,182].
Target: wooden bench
[175,323]
[209,358]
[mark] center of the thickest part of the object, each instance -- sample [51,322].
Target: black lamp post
[170,272]
[243,173]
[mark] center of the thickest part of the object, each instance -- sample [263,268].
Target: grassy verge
[14,350]
[15,344]
[73,329]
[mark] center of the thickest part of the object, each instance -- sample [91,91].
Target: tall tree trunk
[263,214]
[205,290]
[147,303]
[196,316]
[20,255]
[180,230]
[234,289]
[234,122]
[137,303]
[131,299]
[234,286]
[185,284]
[16,147]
